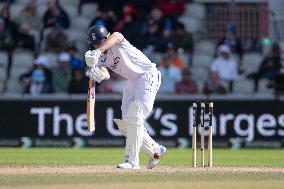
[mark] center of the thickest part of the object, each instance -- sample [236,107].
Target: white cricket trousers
[143,90]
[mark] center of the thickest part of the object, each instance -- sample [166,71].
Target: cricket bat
[91,106]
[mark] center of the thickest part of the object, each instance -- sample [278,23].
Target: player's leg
[149,145]
[147,87]
[134,123]
[127,97]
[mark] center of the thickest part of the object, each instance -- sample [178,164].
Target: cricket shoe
[127,165]
[157,156]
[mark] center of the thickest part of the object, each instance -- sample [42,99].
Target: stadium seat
[205,47]
[77,35]
[2,84]
[243,86]
[82,47]
[225,84]
[89,10]
[36,35]
[262,87]
[251,62]
[71,10]
[156,57]
[21,2]
[16,72]
[192,25]
[3,59]
[3,69]
[22,59]
[200,85]
[46,31]
[3,74]
[200,60]
[185,58]
[14,86]
[281,43]
[235,57]
[41,8]
[199,73]
[75,3]
[195,10]
[80,23]
[52,58]
[15,10]
[266,49]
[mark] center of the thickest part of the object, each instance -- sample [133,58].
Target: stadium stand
[195,18]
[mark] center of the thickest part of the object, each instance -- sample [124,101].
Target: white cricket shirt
[126,60]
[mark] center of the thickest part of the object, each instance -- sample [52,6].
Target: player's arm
[115,38]
[105,72]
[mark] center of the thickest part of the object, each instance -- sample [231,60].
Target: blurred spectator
[231,40]
[30,16]
[164,25]
[79,82]
[154,38]
[225,66]
[75,61]
[171,8]
[113,85]
[55,16]
[25,40]
[213,85]
[143,7]
[172,54]
[37,80]
[37,85]
[7,1]
[10,25]
[105,18]
[107,5]
[128,25]
[61,75]
[6,39]
[170,75]
[269,68]
[56,41]
[187,85]
[181,38]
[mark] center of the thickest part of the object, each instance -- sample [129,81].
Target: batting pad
[148,144]
[133,122]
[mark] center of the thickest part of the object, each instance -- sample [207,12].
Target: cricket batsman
[116,53]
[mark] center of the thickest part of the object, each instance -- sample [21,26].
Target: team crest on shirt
[116,60]
[93,36]
[103,59]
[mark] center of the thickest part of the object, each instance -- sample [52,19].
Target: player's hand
[95,73]
[92,57]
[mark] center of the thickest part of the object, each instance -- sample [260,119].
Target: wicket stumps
[202,134]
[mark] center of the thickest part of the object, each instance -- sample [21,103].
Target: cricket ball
[157,155]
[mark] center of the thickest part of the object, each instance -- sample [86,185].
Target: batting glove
[96,74]
[92,57]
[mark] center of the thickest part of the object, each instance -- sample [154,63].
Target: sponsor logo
[116,60]
[103,59]
[93,89]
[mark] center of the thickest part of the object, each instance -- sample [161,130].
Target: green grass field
[95,167]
